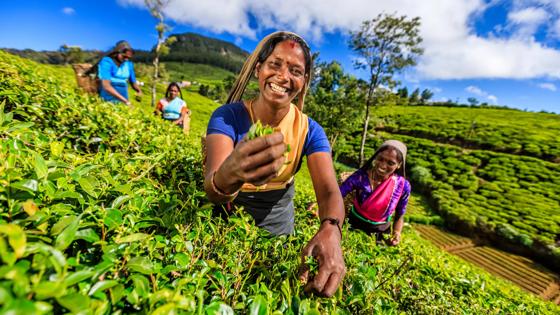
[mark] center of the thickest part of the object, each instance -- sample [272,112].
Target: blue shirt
[118,75]
[234,121]
[172,110]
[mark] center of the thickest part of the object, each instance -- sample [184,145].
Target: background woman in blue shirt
[115,71]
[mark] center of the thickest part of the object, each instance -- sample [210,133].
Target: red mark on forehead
[290,44]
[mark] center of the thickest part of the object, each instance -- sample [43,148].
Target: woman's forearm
[398,225]
[111,90]
[217,190]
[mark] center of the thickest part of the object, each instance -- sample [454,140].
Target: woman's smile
[277,88]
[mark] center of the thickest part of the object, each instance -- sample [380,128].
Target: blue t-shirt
[118,75]
[234,121]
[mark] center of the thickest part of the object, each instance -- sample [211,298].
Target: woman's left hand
[395,240]
[325,247]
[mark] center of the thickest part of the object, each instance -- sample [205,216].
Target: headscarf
[240,84]
[120,47]
[401,147]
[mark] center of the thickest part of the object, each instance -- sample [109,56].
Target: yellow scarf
[294,127]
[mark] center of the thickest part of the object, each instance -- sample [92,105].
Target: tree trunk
[156,72]
[364,134]
[332,140]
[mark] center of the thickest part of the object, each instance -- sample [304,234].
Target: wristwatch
[333,221]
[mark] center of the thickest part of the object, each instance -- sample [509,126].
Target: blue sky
[501,52]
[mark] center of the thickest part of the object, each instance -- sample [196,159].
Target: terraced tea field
[521,271]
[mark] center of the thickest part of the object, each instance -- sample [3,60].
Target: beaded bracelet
[219,192]
[333,221]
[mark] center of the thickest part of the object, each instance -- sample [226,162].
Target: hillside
[102,212]
[491,174]
[195,48]
[189,48]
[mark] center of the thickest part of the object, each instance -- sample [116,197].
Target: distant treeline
[195,48]
[57,57]
[212,59]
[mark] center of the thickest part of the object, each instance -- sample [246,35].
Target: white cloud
[474,90]
[453,50]
[548,86]
[480,93]
[530,15]
[68,11]
[527,21]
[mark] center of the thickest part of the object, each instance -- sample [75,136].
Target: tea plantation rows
[101,211]
[502,197]
[501,130]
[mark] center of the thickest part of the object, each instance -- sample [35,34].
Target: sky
[503,52]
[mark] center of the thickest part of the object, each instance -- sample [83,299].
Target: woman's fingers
[259,160]
[324,283]
[250,147]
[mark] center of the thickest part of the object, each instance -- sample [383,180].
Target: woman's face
[386,163]
[173,92]
[282,75]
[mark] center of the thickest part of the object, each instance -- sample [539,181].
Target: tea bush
[102,211]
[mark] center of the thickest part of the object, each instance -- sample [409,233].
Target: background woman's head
[173,90]
[389,158]
[122,51]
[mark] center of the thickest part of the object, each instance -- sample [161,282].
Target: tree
[334,99]
[386,44]
[402,92]
[472,101]
[414,97]
[426,96]
[162,47]
[71,54]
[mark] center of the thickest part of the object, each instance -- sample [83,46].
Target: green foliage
[198,49]
[501,130]
[259,130]
[334,100]
[386,45]
[72,54]
[102,211]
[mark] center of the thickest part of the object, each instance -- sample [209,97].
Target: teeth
[277,88]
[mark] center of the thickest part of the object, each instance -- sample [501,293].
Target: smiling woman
[381,192]
[258,174]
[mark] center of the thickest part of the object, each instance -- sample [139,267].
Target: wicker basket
[88,82]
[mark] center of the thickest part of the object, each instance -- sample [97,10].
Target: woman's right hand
[254,161]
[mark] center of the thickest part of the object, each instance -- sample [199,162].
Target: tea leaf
[141,264]
[132,238]
[74,302]
[259,306]
[30,207]
[16,238]
[41,168]
[29,185]
[88,235]
[102,286]
[65,238]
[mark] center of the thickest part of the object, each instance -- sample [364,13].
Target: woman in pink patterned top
[380,192]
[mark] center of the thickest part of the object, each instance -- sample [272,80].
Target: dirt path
[521,271]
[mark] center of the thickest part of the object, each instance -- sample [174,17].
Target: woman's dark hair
[368,164]
[173,84]
[271,44]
